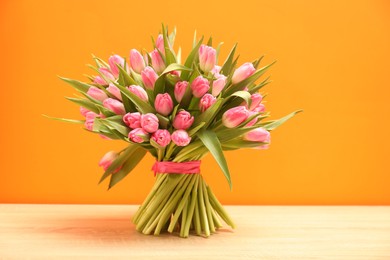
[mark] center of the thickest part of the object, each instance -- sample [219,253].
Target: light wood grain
[263,232]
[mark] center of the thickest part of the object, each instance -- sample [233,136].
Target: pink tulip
[157,61]
[180,89]
[183,120]
[149,122]
[259,109]
[138,135]
[107,74]
[206,101]
[139,92]
[243,72]
[163,104]
[162,137]
[97,93]
[180,138]
[256,100]
[207,57]
[216,70]
[99,80]
[108,159]
[254,120]
[137,62]
[84,111]
[114,105]
[235,116]
[200,86]
[89,120]
[160,44]
[149,77]
[114,90]
[113,61]
[259,135]
[132,120]
[218,85]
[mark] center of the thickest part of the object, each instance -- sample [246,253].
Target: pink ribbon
[191,167]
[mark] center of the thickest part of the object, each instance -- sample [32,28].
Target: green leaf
[227,66]
[84,103]
[169,55]
[244,95]
[142,106]
[124,77]
[209,114]
[271,125]
[127,167]
[159,86]
[78,85]
[211,141]
[172,36]
[256,88]
[239,144]
[218,49]
[210,42]
[65,120]
[195,129]
[190,59]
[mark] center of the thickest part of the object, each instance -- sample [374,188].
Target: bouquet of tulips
[178,112]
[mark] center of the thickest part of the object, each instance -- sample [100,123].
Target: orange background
[333,62]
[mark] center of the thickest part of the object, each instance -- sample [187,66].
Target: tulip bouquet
[178,112]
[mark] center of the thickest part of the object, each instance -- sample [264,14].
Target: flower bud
[138,135]
[149,77]
[108,159]
[259,108]
[132,120]
[137,63]
[89,120]
[218,85]
[256,100]
[107,74]
[114,90]
[160,44]
[97,93]
[206,101]
[200,86]
[149,122]
[180,89]
[243,72]
[180,138]
[162,137]
[84,111]
[235,116]
[259,135]
[183,120]
[99,80]
[113,61]
[139,92]
[163,104]
[114,105]
[157,61]
[207,58]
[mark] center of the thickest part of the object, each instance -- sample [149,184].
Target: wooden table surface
[263,232]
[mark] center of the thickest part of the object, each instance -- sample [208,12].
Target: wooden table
[263,232]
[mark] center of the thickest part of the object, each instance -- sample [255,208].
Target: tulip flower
[260,108]
[83,111]
[149,122]
[107,74]
[180,89]
[254,120]
[137,62]
[162,137]
[160,44]
[139,92]
[256,100]
[259,135]
[235,116]
[207,57]
[180,138]
[200,86]
[113,61]
[97,93]
[114,90]
[163,104]
[89,120]
[243,72]
[206,101]
[138,135]
[218,85]
[132,120]
[157,61]
[108,159]
[149,77]
[183,120]
[114,105]
[216,70]
[99,80]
